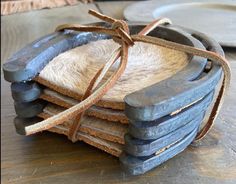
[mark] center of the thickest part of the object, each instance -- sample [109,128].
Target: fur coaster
[107,146]
[70,72]
[94,111]
[103,129]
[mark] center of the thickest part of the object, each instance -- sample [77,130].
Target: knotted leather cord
[102,72]
[120,33]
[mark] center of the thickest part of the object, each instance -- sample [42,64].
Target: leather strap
[116,24]
[95,90]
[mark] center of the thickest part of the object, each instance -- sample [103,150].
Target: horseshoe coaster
[19,92]
[146,134]
[164,118]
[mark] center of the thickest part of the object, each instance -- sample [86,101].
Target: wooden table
[51,158]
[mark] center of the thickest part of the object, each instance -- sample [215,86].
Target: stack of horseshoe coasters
[153,112]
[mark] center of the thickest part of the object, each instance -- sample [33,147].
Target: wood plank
[23,28]
[51,158]
[17,6]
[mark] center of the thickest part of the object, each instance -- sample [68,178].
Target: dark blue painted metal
[159,100]
[174,93]
[164,125]
[25,91]
[21,123]
[140,165]
[29,61]
[139,147]
[168,96]
[29,110]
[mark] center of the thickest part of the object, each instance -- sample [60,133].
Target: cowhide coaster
[70,72]
[114,131]
[94,111]
[106,130]
[25,93]
[112,148]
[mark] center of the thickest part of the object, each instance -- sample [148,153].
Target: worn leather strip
[94,111]
[123,31]
[103,129]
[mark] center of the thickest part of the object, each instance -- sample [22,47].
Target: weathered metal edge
[140,165]
[160,127]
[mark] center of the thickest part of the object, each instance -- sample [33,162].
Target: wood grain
[18,6]
[51,158]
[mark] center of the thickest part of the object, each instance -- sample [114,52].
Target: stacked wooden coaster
[152,113]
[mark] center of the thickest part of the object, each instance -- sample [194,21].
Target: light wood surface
[51,158]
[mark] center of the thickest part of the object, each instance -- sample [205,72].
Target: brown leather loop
[124,40]
[122,30]
[120,24]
